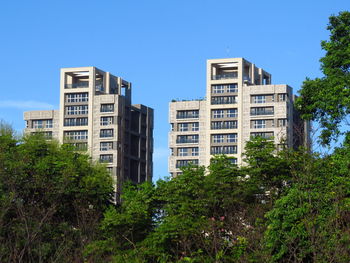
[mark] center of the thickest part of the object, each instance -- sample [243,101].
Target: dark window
[106,158]
[107,107]
[261,111]
[187,114]
[106,133]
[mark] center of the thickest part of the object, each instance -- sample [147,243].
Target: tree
[124,227]
[51,200]
[310,222]
[202,215]
[327,99]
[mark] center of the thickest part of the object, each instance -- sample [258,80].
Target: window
[47,134]
[76,135]
[106,146]
[187,139]
[75,121]
[231,113]
[224,138]
[195,151]
[77,97]
[80,146]
[223,100]
[183,127]
[259,99]
[48,124]
[187,114]
[215,150]
[78,84]
[282,97]
[107,107]
[106,120]
[217,125]
[77,110]
[232,88]
[223,149]
[104,133]
[232,137]
[38,124]
[259,124]
[217,114]
[183,151]
[261,111]
[265,135]
[226,88]
[182,163]
[195,126]
[218,89]
[217,138]
[282,122]
[106,158]
[229,149]
[230,124]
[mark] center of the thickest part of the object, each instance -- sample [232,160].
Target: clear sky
[160,46]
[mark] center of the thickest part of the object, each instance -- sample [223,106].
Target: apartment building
[240,103]
[96,116]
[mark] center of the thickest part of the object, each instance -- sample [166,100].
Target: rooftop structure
[97,117]
[241,103]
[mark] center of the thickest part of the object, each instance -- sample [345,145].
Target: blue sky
[159,46]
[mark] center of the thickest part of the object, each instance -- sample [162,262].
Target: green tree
[125,226]
[327,99]
[51,200]
[310,222]
[202,215]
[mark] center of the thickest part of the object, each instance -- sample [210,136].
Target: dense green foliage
[327,99]
[51,200]
[282,206]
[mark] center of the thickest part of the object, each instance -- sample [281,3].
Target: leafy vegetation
[282,206]
[327,99]
[51,200]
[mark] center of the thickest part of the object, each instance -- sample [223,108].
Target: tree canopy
[327,99]
[51,199]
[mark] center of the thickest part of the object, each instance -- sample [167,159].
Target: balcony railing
[261,113]
[187,116]
[232,75]
[83,84]
[187,141]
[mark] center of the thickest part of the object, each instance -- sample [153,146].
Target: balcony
[99,87]
[260,113]
[187,141]
[247,79]
[231,75]
[83,84]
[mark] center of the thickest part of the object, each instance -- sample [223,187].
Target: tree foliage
[51,200]
[203,215]
[327,99]
[281,206]
[286,206]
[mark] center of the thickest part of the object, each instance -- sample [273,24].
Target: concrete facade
[240,103]
[97,117]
